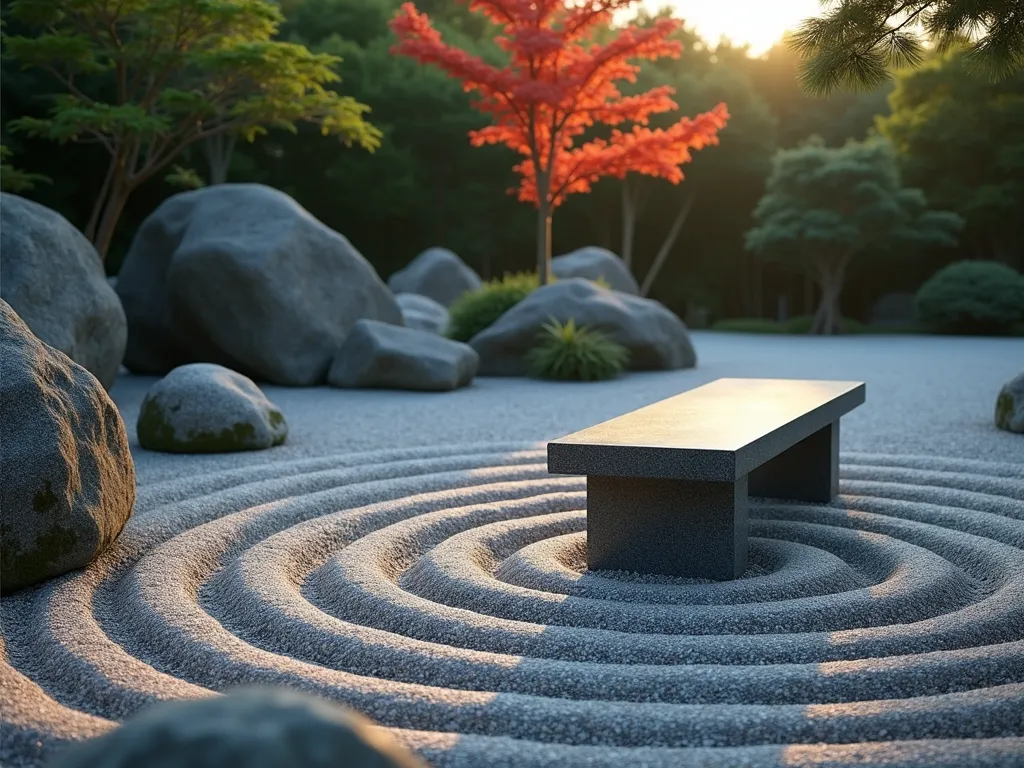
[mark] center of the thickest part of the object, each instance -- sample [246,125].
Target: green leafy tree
[15,180]
[824,207]
[960,137]
[179,71]
[857,43]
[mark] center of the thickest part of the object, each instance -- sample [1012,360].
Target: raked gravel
[407,554]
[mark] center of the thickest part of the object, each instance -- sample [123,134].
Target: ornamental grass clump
[568,352]
[478,310]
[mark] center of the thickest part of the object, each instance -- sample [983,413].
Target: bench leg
[668,527]
[809,471]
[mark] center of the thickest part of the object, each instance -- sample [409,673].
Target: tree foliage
[984,297]
[824,207]
[174,72]
[14,179]
[857,43]
[556,84]
[960,137]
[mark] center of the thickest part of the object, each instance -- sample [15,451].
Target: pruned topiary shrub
[478,310]
[984,297]
[571,353]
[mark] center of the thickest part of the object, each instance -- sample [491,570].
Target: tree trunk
[544,242]
[218,150]
[628,223]
[666,246]
[112,209]
[828,318]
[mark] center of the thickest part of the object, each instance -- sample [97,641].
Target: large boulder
[243,276]
[595,263]
[68,477]
[386,356]
[656,338]
[422,312]
[437,273]
[252,728]
[1010,405]
[53,278]
[206,408]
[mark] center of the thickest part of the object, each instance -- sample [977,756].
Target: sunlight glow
[758,23]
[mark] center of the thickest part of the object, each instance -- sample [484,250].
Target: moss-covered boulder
[258,728]
[68,478]
[1010,405]
[207,408]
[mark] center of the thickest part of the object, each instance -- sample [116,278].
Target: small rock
[1010,405]
[593,263]
[53,279]
[207,408]
[422,313]
[378,355]
[656,338]
[254,728]
[68,476]
[437,273]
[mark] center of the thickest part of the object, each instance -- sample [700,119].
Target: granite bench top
[717,432]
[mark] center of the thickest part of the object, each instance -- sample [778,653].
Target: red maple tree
[556,85]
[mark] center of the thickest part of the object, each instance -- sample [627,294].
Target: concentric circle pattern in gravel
[443,592]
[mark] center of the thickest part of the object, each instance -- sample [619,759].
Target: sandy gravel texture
[408,555]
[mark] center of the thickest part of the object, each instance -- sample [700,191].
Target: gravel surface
[407,554]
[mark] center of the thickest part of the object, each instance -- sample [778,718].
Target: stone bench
[667,485]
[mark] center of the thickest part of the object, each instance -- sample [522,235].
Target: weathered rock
[385,356]
[895,309]
[437,273]
[595,263]
[206,408]
[1010,405]
[68,476]
[250,728]
[422,312]
[53,278]
[243,276]
[656,338]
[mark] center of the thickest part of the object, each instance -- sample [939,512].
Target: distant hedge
[973,297]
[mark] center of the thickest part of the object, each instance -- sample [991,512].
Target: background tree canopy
[956,135]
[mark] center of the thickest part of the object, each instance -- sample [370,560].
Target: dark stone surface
[667,484]
[808,471]
[720,431]
[669,527]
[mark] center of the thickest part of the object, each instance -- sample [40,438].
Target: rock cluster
[655,337]
[241,275]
